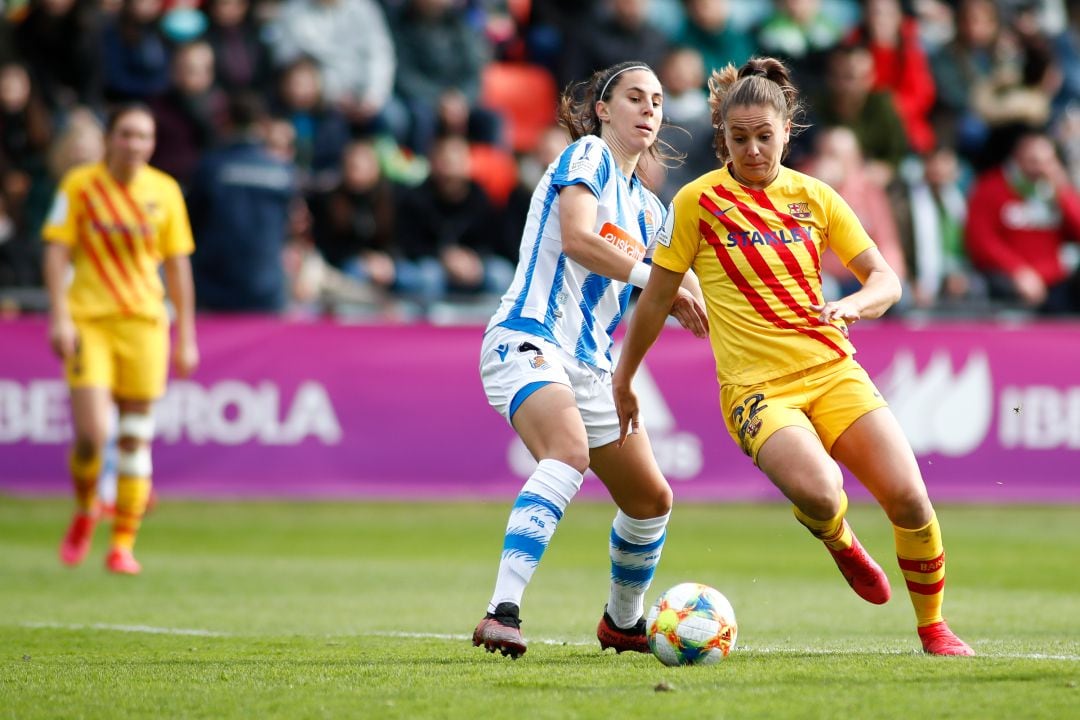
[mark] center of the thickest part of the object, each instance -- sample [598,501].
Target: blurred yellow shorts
[129,355]
[825,399]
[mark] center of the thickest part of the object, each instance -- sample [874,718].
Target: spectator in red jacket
[901,66]
[1019,216]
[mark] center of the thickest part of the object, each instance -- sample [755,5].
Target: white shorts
[511,360]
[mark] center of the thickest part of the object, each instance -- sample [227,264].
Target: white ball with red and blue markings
[691,624]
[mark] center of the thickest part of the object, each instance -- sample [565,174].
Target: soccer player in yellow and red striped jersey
[112,226]
[792,395]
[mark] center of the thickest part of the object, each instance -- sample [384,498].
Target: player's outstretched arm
[649,316]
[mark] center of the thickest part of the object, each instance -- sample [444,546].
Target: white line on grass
[127,628]
[149,629]
[739,648]
[447,636]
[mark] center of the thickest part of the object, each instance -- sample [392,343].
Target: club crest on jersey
[537,361]
[799,209]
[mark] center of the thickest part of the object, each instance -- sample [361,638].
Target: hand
[380,268]
[453,110]
[626,405]
[1029,286]
[63,338]
[840,312]
[185,357]
[359,110]
[1054,173]
[690,313]
[956,285]
[463,266]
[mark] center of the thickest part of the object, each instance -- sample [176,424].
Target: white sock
[635,550]
[533,519]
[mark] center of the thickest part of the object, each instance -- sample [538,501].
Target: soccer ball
[691,624]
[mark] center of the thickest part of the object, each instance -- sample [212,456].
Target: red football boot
[122,562]
[864,575]
[501,631]
[631,639]
[76,542]
[938,639]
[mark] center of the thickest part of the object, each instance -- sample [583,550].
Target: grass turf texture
[364,610]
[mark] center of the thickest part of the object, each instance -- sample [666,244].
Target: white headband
[617,74]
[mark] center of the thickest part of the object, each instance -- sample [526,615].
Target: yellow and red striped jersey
[118,235]
[757,254]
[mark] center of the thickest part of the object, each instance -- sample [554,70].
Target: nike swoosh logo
[720,213]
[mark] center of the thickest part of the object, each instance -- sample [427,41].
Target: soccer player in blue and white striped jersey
[546,357]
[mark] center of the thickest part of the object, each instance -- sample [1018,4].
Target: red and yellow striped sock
[84,478]
[922,560]
[834,532]
[132,494]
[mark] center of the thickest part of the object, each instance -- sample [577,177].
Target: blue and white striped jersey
[554,297]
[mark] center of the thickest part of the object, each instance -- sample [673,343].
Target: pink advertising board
[319,409]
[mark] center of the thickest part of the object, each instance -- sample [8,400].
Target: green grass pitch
[313,610]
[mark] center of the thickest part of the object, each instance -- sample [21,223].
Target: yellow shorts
[129,355]
[825,399]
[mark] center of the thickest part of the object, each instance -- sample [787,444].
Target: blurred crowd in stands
[375,158]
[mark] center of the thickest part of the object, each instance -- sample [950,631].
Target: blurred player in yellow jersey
[792,395]
[112,226]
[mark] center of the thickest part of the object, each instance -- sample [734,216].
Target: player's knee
[662,501]
[135,429]
[134,433]
[822,501]
[134,462]
[87,446]
[653,503]
[908,508]
[577,458]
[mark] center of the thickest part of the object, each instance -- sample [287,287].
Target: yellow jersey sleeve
[846,235]
[175,231]
[62,223]
[679,239]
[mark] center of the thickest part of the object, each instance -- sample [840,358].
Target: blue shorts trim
[523,394]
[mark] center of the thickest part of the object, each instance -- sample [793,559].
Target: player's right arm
[671,280]
[577,218]
[62,335]
[649,316]
[60,235]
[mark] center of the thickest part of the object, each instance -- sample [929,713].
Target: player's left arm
[880,290]
[881,287]
[181,289]
[178,245]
